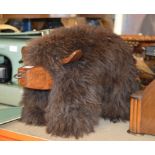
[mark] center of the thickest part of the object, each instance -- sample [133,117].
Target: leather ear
[74,56]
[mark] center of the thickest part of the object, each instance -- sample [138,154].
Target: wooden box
[142,111]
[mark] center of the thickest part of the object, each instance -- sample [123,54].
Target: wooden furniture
[6,135]
[13,16]
[30,16]
[145,59]
[142,111]
[36,77]
[139,41]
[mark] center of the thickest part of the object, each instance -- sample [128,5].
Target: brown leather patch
[35,78]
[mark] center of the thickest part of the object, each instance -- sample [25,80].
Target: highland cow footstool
[97,84]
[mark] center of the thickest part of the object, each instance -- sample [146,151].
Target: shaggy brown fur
[99,84]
